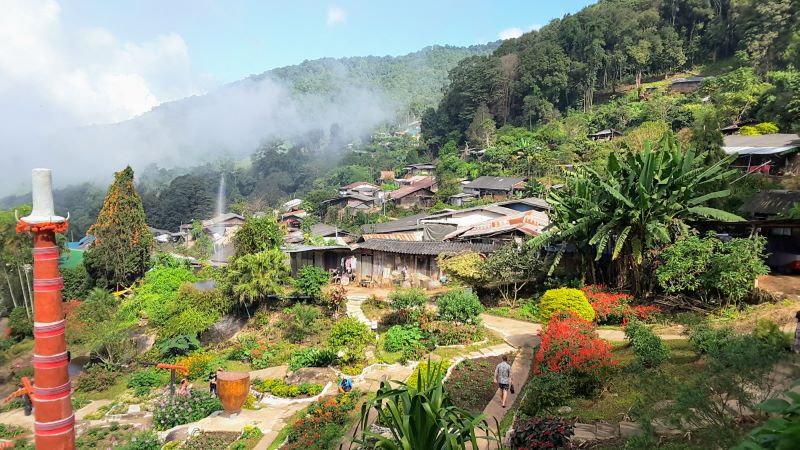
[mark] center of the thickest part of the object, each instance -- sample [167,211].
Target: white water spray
[219,227]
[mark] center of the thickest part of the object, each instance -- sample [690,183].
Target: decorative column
[54,424]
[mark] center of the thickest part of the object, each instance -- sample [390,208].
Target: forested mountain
[414,81]
[568,63]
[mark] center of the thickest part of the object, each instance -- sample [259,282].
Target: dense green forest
[587,57]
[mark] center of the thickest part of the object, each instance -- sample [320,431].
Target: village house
[408,228]
[326,257]
[386,176]
[461,199]
[418,194]
[352,201]
[773,154]
[387,263]
[359,187]
[686,85]
[292,205]
[420,169]
[770,204]
[605,135]
[515,228]
[495,187]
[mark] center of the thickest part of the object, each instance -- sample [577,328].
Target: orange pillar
[54,425]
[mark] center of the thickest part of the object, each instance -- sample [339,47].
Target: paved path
[354,309]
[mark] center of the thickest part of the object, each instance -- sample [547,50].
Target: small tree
[258,234]
[254,277]
[310,280]
[121,250]
[463,267]
[512,267]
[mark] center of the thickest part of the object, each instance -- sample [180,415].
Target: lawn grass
[119,386]
[625,388]
[512,313]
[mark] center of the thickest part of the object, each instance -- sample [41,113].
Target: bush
[459,306]
[142,381]
[190,321]
[612,308]
[178,409]
[349,334]
[541,432]
[402,337]
[705,339]
[446,333]
[312,357]
[334,298]
[569,346]
[301,319]
[559,300]
[21,326]
[545,393]
[211,301]
[178,345]
[95,378]
[323,424]
[76,282]
[650,351]
[310,280]
[280,389]
[407,299]
[770,333]
[199,364]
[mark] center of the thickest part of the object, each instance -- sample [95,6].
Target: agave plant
[420,416]
[638,204]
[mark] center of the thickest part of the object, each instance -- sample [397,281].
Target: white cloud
[511,33]
[80,76]
[535,27]
[336,16]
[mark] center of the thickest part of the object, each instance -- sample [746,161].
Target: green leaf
[774,405]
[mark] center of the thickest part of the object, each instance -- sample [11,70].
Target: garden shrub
[190,321]
[649,349]
[334,298]
[402,337]
[21,326]
[559,300]
[349,334]
[447,333]
[770,333]
[465,267]
[280,389]
[781,432]
[545,393]
[459,306]
[76,282]
[198,363]
[212,301]
[704,339]
[95,378]
[424,367]
[312,357]
[178,409]
[323,424]
[570,346]
[310,280]
[142,381]
[178,345]
[541,432]
[301,321]
[613,308]
[407,299]
[256,351]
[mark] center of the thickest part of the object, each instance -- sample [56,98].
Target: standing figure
[502,376]
[212,383]
[796,346]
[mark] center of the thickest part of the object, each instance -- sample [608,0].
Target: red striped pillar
[54,425]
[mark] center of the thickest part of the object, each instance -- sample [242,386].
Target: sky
[68,64]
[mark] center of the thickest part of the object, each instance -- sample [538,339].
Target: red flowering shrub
[613,308]
[323,423]
[569,346]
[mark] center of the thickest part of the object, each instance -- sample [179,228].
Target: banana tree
[637,205]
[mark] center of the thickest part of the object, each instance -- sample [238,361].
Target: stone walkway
[354,309]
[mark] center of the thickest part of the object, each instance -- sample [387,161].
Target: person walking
[502,376]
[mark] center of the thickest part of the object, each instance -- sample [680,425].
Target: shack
[773,154]
[605,135]
[495,187]
[327,257]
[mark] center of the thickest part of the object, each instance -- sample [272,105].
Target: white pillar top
[42,192]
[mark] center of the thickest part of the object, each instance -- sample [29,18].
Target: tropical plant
[421,416]
[310,280]
[782,430]
[459,306]
[311,357]
[541,432]
[637,204]
[302,321]
[556,301]
[258,235]
[180,344]
[334,299]
[120,253]
[255,276]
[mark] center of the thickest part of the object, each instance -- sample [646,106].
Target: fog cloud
[85,103]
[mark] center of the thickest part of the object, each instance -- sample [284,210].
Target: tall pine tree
[121,249]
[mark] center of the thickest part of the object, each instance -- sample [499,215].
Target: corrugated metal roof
[494,183]
[402,224]
[408,190]
[530,223]
[391,236]
[423,247]
[771,202]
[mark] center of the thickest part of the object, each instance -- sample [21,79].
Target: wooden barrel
[232,388]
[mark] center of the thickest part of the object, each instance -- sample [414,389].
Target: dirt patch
[781,285]
[471,384]
[782,313]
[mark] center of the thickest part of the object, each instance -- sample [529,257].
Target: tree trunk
[10,288]
[30,288]
[24,292]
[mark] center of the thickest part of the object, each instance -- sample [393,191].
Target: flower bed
[323,424]
[612,308]
[471,383]
[118,436]
[569,346]
[205,440]
[280,389]
[183,408]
